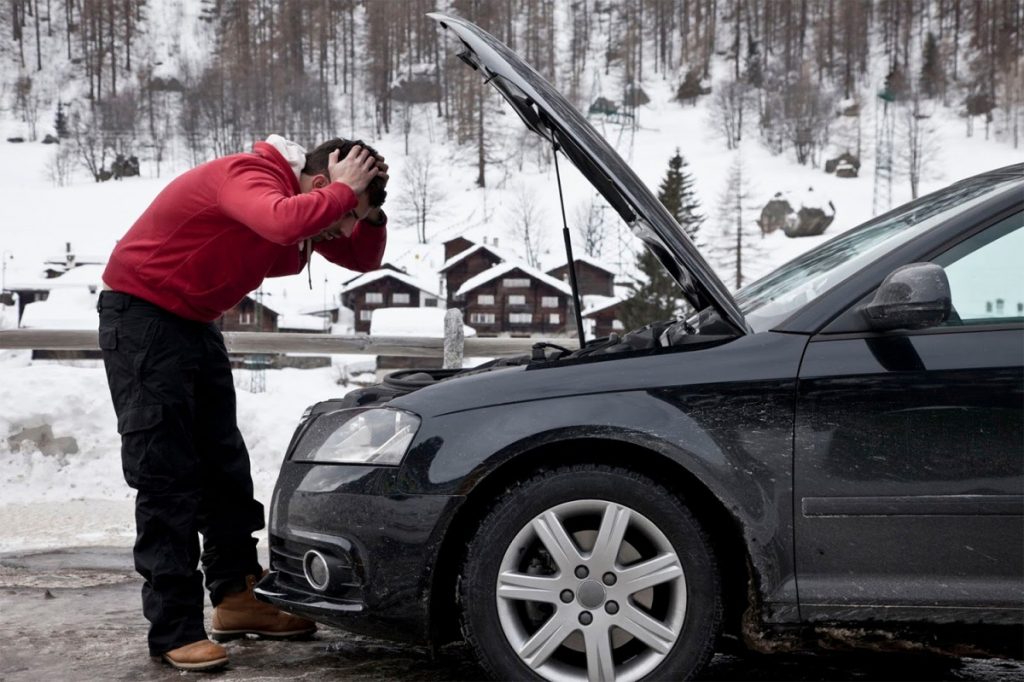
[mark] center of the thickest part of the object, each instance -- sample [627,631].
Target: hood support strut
[577,308]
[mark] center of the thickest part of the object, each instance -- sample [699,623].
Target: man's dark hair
[316,164]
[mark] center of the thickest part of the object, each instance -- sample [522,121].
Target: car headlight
[376,436]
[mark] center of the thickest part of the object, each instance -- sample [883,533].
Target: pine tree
[740,242]
[678,195]
[932,76]
[654,295]
[60,122]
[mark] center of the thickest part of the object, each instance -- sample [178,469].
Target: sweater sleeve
[362,251]
[254,197]
[290,262]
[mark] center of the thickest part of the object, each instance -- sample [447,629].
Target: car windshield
[776,296]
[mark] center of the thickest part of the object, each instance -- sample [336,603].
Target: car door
[909,455]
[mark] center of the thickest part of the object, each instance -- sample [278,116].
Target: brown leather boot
[201,655]
[241,613]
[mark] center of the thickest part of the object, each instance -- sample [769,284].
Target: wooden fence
[452,348]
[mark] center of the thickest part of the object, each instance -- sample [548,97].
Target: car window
[986,274]
[773,298]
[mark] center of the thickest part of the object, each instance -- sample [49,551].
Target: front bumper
[381,548]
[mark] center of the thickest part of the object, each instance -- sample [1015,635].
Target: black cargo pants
[170,380]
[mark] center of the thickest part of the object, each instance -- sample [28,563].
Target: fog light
[315,567]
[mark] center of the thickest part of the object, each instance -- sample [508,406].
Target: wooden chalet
[384,288]
[601,315]
[249,315]
[465,259]
[594,277]
[513,298]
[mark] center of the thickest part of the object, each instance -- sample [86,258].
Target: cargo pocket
[141,458]
[108,338]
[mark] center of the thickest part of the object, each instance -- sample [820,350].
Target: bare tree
[917,147]
[61,165]
[421,190]
[591,225]
[525,220]
[730,101]
[27,103]
[90,145]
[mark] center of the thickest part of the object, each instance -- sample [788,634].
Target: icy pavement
[75,614]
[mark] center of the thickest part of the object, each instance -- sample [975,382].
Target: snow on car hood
[545,112]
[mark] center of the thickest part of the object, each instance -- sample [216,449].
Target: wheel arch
[735,567]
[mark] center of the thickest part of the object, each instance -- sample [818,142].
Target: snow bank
[422,322]
[75,402]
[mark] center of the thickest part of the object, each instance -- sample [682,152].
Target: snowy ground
[82,499]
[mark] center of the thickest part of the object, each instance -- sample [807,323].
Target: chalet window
[549,301]
[520,318]
[429,302]
[481,318]
[515,282]
[617,325]
[364,315]
[554,318]
[485,299]
[517,299]
[400,299]
[245,318]
[374,297]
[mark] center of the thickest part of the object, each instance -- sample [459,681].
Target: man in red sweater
[208,239]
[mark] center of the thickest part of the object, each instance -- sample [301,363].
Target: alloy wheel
[591,590]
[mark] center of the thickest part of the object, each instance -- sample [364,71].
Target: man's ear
[319,182]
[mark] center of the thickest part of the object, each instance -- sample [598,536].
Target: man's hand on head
[382,170]
[355,170]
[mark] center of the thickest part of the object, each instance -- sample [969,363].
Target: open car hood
[546,112]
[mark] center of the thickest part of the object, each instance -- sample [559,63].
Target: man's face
[347,223]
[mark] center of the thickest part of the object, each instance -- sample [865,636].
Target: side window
[986,275]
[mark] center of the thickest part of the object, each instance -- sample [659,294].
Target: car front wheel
[590,572]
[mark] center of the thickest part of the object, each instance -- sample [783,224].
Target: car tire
[514,589]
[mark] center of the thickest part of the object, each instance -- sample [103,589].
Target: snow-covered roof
[593,303]
[422,322]
[78,258]
[375,275]
[462,255]
[88,275]
[310,323]
[65,308]
[589,260]
[503,268]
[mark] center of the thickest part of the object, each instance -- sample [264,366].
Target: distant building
[594,277]
[83,279]
[55,266]
[601,315]
[384,288]
[249,315]
[513,298]
[465,259]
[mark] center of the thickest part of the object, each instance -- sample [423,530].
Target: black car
[833,455]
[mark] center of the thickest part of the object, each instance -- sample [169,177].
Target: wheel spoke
[600,666]
[660,569]
[609,538]
[538,649]
[558,543]
[523,587]
[648,630]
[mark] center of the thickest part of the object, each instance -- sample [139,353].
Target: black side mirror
[914,296]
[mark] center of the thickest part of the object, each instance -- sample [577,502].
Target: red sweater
[214,233]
